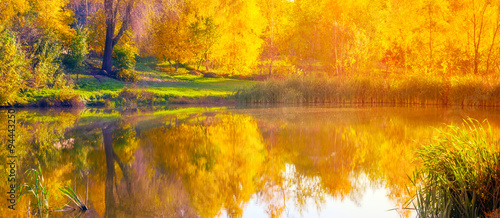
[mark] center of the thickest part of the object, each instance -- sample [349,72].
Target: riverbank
[154,86]
[157,85]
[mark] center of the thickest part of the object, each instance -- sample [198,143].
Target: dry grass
[423,90]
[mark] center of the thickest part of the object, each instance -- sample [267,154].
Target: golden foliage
[55,16]
[9,9]
[97,34]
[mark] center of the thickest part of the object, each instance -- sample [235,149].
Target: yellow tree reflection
[218,160]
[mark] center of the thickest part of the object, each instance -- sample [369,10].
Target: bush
[126,75]
[135,97]
[68,97]
[46,61]
[124,56]
[65,97]
[12,65]
[78,50]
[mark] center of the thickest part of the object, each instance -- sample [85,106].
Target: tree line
[42,41]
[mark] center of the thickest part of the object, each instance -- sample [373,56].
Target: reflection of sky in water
[373,203]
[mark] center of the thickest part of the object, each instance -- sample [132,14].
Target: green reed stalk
[460,175]
[37,189]
[73,197]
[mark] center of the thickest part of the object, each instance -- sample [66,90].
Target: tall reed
[37,189]
[407,90]
[460,175]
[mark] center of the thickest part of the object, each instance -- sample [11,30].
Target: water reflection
[215,162]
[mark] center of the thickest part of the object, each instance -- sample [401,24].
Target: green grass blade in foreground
[459,176]
[37,189]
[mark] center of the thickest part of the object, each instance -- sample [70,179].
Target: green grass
[153,88]
[460,175]
[199,87]
[87,83]
[161,84]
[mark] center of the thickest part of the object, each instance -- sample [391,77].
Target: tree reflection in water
[210,164]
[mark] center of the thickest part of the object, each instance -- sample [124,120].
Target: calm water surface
[314,161]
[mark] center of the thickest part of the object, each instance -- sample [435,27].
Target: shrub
[124,56]
[12,65]
[68,97]
[126,75]
[46,62]
[77,50]
[65,97]
[134,97]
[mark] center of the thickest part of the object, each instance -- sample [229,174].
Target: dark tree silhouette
[111,9]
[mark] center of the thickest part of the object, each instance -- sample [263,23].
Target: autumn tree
[304,40]
[239,25]
[9,10]
[172,37]
[481,24]
[204,37]
[12,66]
[278,21]
[111,9]
[33,36]
[443,37]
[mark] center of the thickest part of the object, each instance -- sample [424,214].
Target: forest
[287,105]
[107,52]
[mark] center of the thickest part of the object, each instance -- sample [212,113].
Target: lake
[268,161]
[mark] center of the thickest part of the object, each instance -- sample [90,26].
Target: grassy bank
[427,90]
[155,86]
[460,175]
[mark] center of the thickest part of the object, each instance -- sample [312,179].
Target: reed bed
[460,175]
[423,90]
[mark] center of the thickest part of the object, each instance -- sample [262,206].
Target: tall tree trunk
[430,39]
[272,45]
[107,59]
[493,42]
[272,55]
[111,40]
[335,49]
[479,37]
[198,65]
[271,67]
